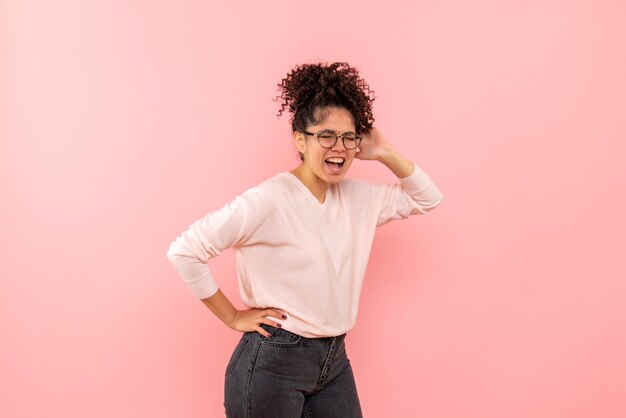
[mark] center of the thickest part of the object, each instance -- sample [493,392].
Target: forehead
[335,118]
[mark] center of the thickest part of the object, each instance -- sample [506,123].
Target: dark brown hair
[312,87]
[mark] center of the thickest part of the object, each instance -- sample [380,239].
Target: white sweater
[305,258]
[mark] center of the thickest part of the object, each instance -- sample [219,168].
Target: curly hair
[310,88]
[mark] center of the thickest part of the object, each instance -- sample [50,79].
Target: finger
[274,313]
[263,332]
[271,323]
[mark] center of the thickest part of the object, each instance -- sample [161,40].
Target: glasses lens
[327,139]
[350,141]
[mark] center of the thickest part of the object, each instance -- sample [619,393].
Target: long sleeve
[415,194]
[292,253]
[204,239]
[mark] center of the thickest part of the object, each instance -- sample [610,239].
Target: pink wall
[121,122]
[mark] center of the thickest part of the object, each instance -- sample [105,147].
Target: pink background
[122,122]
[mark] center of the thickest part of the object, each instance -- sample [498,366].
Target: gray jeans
[290,376]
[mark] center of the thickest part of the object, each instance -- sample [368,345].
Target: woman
[302,240]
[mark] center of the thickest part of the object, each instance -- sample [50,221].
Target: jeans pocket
[236,354]
[280,337]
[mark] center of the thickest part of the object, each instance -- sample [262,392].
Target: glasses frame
[343,140]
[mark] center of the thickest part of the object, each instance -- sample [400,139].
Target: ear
[298,139]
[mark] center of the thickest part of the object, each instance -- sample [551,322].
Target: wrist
[233,320]
[387,155]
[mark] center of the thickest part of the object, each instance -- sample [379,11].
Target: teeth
[335,160]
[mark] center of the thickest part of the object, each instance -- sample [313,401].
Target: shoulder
[261,202]
[268,189]
[355,186]
[365,190]
[352,182]
[263,197]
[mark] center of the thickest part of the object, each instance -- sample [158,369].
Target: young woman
[302,241]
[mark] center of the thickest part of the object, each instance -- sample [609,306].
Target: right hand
[250,320]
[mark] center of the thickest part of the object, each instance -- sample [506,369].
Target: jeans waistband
[272,330]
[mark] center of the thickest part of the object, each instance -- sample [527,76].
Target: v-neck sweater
[304,258]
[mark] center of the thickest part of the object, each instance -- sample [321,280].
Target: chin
[333,178]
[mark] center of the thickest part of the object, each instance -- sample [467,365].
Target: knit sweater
[305,258]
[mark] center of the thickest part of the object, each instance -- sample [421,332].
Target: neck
[317,186]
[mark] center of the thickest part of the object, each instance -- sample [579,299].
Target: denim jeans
[290,376]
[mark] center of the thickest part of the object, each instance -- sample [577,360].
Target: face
[316,158]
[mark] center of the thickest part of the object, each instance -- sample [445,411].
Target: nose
[339,144]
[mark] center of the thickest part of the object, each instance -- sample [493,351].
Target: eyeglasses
[328,138]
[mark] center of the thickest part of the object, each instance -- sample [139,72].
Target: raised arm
[416,193]
[375,146]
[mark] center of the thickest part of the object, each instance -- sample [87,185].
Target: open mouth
[335,163]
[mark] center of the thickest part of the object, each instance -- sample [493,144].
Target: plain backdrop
[122,122]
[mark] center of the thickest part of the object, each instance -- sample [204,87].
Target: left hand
[373,146]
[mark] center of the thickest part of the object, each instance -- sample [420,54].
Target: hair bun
[308,87]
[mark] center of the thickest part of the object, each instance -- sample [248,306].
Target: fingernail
[284,317]
[279,325]
[269,335]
